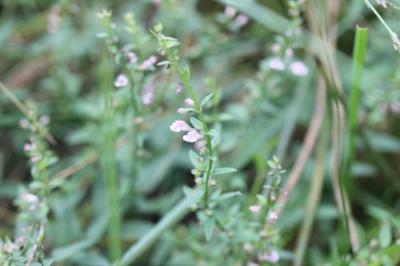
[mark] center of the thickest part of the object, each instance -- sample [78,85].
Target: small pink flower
[132,57]
[273,217]
[230,12]
[181,111]
[24,123]
[30,198]
[148,63]
[289,52]
[242,20]
[35,159]
[276,64]
[121,81]
[44,120]
[148,95]
[298,68]
[382,3]
[192,136]
[276,48]
[27,147]
[270,256]
[255,208]
[179,125]
[189,102]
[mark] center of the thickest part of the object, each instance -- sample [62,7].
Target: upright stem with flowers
[205,163]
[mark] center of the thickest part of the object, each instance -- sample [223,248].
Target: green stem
[199,110]
[172,217]
[109,168]
[370,6]
[358,63]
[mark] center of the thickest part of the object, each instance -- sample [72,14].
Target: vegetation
[188,132]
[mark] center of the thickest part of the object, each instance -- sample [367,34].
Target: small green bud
[158,28]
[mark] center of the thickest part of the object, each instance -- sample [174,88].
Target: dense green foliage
[188,132]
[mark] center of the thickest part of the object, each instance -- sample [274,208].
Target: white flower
[189,102]
[24,123]
[276,64]
[242,20]
[132,57]
[273,216]
[148,63]
[179,125]
[230,11]
[30,198]
[255,208]
[181,111]
[271,256]
[121,81]
[298,68]
[276,48]
[381,3]
[192,136]
[44,120]
[148,95]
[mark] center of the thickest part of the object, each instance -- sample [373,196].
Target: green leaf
[197,160]
[196,123]
[206,99]
[224,171]
[162,63]
[215,137]
[209,225]
[229,195]
[385,236]
[193,195]
[186,74]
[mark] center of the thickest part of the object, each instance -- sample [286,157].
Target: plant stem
[109,168]
[312,202]
[199,110]
[172,217]
[358,63]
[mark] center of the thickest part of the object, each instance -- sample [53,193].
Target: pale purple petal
[189,102]
[181,111]
[276,64]
[382,3]
[148,95]
[230,11]
[192,136]
[276,47]
[27,147]
[298,68]
[24,123]
[148,63]
[273,217]
[44,120]
[179,125]
[132,57]
[121,81]
[242,20]
[255,208]
[270,256]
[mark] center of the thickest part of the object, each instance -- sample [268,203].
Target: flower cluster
[205,139]
[234,19]
[33,204]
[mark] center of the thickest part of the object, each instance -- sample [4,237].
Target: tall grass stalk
[360,47]
[109,168]
[313,200]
